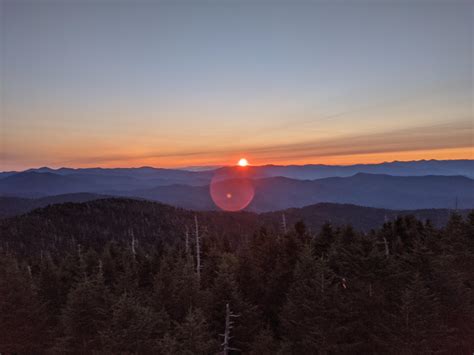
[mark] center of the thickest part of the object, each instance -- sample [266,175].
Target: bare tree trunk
[283,223]
[82,265]
[186,240]
[134,251]
[387,250]
[198,249]
[29,272]
[228,326]
[322,281]
[322,276]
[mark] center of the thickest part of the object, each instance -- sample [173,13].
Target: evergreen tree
[225,290]
[133,327]
[176,287]
[50,289]
[264,343]
[265,271]
[324,240]
[308,314]
[22,316]
[191,337]
[90,286]
[362,275]
[419,323]
[84,316]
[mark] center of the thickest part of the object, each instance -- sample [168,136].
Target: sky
[179,83]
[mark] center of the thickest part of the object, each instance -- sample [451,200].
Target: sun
[243,162]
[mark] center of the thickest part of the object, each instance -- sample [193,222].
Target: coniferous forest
[119,276]
[236,177]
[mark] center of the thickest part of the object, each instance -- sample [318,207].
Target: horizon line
[215,167]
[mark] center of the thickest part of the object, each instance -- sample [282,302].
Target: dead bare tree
[133,246]
[228,326]
[186,240]
[387,250]
[385,243]
[283,223]
[198,249]
[322,276]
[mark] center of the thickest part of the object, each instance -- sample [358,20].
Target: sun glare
[243,162]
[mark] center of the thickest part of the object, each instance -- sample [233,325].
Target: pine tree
[84,316]
[404,288]
[176,287]
[127,278]
[168,345]
[418,317]
[191,337]
[264,343]
[308,313]
[225,290]
[456,302]
[50,289]
[22,316]
[324,240]
[265,271]
[133,327]
[362,270]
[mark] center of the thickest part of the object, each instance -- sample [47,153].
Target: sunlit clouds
[442,141]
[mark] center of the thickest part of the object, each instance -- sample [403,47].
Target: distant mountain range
[307,172]
[381,191]
[43,182]
[396,168]
[396,185]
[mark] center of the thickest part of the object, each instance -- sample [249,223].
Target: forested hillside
[122,276]
[138,212]
[12,206]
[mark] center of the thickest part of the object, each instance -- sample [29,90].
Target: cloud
[440,136]
[457,134]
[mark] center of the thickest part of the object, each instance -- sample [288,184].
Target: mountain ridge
[271,193]
[465,166]
[135,212]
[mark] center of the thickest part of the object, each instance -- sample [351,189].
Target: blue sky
[129,83]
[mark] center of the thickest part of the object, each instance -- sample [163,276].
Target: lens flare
[233,194]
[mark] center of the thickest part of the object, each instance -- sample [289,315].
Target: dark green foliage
[309,314]
[71,281]
[418,318]
[192,336]
[176,287]
[225,289]
[264,343]
[84,315]
[133,327]
[22,316]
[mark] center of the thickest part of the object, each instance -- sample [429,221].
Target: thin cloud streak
[441,136]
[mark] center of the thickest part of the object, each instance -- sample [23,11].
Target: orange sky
[205,83]
[255,159]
